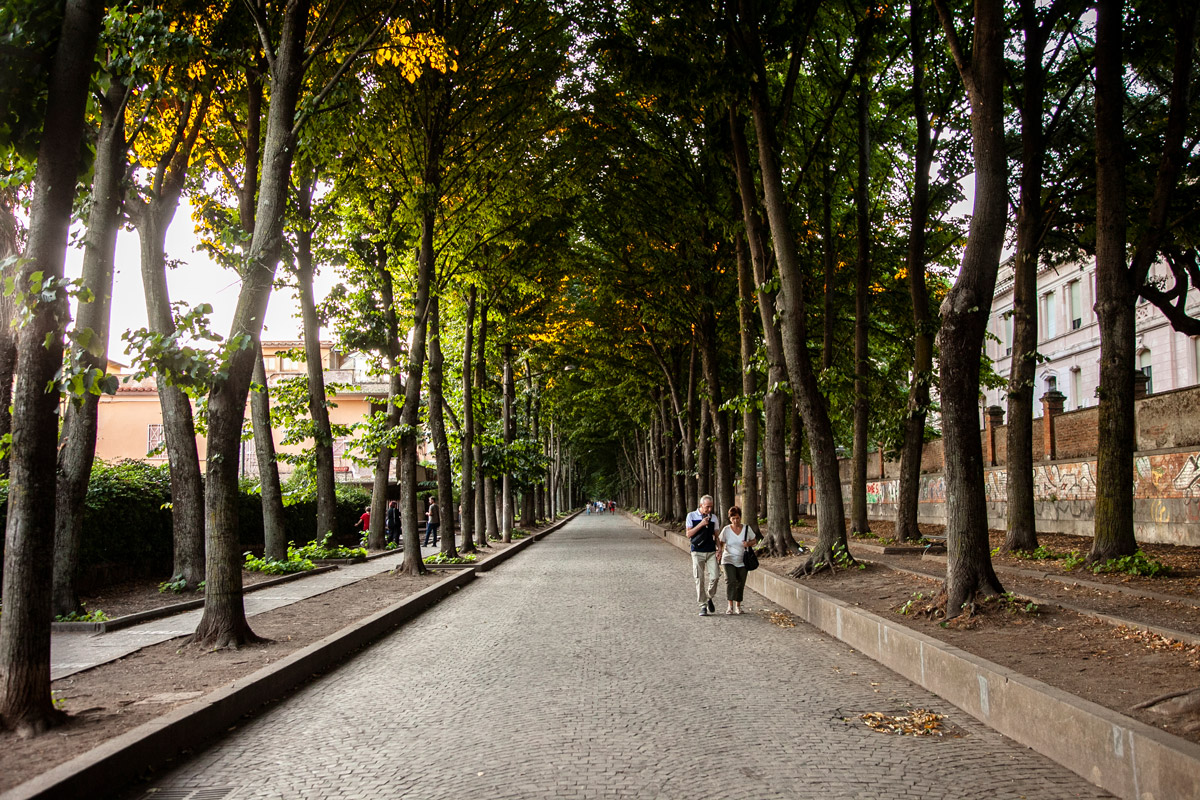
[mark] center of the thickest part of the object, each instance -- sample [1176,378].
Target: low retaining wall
[1121,755]
[1166,504]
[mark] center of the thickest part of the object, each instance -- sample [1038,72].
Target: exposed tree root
[825,557]
[224,638]
[35,723]
[1183,706]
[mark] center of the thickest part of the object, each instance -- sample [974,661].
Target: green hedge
[127,521]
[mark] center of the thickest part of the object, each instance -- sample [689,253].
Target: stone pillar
[1052,406]
[1139,384]
[993,420]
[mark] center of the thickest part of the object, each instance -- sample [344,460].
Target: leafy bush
[1136,564]
[85,616]
[326,549]
[271,567]
[441,558]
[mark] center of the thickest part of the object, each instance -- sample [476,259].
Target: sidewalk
[72,652]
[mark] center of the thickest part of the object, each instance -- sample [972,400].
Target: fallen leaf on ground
[917,722]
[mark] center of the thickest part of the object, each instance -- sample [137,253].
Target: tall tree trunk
[396,391]
[437,430]
[1022,530]
[966,308]
[748,338]
[862,285]
[77,442]
[485,522]
[275,536]
[224,621]
[467,492]
[917,410]
[692,445]
[152,217]
[795,458]
[1116,298]
[318,409]
[9,246]
[412,384]
[506,419]
[831,515]
[1118,287]
[25,702]
[829,269]
[775,463]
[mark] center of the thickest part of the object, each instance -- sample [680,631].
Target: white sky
[199,281]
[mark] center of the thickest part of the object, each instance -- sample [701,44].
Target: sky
[199,280]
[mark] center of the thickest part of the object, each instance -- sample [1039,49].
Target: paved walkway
[72,652]
[580,670]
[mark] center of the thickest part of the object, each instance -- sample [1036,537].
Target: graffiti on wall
[1166,476]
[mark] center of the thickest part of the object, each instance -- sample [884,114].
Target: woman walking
[731,551]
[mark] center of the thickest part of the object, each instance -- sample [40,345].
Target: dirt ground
[1112,664]
[113,698]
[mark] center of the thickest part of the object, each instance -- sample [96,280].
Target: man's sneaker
[711,608]
[704,611]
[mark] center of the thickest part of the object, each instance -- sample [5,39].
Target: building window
[1077,387]
[1075,292]
[156,439]
[1048,315]
[1145,366]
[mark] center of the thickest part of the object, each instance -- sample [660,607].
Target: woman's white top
[735,544]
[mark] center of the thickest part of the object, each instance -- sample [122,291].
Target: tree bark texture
[485,523]
[10,245]
[748,339]
[775,401]
[275,537]
[506,419]
[409,416]
[831,515]
[467,491]
[862,285]
[152,217]
[437,430]
[1116,298]
[318,409]
[77,441]
[25,701]
[224,621]
[1022,530]
[381,477]
[965,314]
[917,409]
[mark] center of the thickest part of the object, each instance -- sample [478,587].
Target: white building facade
[1069,338]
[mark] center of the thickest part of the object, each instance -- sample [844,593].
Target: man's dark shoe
[711,608]
[704,611]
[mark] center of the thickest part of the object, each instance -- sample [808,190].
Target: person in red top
[365,520]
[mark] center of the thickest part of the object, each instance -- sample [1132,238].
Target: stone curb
[165,611]
[121,760]
[1119,754]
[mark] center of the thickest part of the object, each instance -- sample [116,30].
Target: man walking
[433,520]
[702,532]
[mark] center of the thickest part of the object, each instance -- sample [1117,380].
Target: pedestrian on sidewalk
[365,520]
[433,519]
[702,531]
[392,523]
[731,551]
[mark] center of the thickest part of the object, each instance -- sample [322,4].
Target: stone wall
[1166,473]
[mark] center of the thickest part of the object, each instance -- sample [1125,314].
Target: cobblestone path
[580,670]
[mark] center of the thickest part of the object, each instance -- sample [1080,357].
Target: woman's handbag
[750,559]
